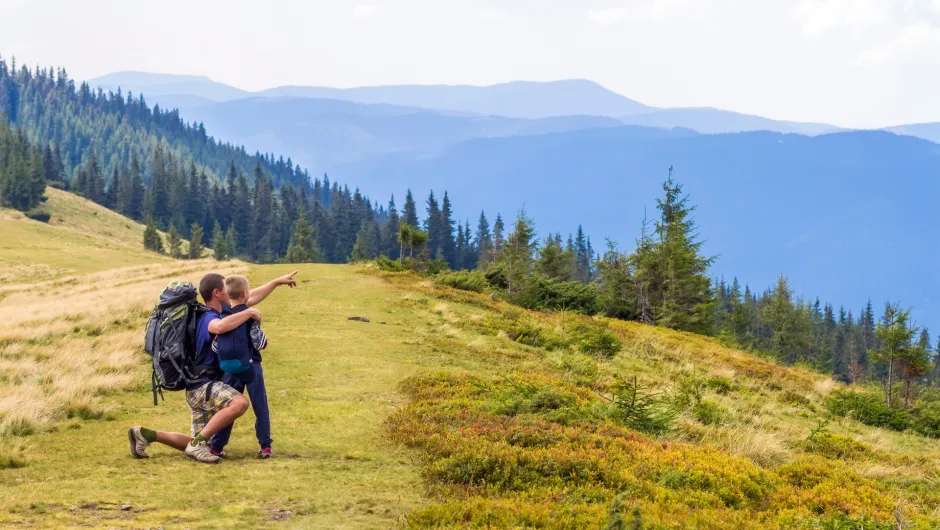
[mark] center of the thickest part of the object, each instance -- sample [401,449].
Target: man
[214,404]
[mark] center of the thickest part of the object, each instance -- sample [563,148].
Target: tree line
[151,166]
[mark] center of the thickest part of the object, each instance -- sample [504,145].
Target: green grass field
[447,409]
[331,384]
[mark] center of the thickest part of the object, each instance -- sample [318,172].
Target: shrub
[834,446]
[436,266]
[719,385]
[595,340]
[530,333]
[39,215]
[709,412]
[868,409]
[496,276]
[386,264]
[927,419]
[793,398]
[543,293]
[465,280]
[640,410]
[689,392]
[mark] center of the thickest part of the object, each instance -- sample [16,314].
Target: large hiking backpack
[171,340]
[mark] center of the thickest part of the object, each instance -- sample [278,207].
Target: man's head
[212,289]
[236,287]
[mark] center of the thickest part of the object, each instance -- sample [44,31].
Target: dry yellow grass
[67,341]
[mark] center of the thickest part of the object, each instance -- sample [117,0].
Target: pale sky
[853,63]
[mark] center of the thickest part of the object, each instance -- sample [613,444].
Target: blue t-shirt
[204,354]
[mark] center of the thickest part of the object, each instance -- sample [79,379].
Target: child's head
[236,287]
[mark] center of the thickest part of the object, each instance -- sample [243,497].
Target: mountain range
[843,213]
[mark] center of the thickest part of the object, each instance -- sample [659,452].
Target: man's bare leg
[221,419]
[225,417]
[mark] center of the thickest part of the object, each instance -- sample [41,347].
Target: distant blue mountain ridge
[847,215]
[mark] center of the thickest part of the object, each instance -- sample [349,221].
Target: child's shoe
[265,452]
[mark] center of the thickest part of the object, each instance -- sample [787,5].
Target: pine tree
[410,217]
[152,239]
[498,241]
[516,256]
[390,231]
[895,337]
[175,243]
[448,244]
[231,241]
[615,282]
[553,261]
[219,245]
[302,248]
[367,242]
[484,242]
[685,285]
[195,241]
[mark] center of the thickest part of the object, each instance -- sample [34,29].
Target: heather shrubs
[505,462]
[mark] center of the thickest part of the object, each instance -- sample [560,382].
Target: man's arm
[219,326]
[256,295]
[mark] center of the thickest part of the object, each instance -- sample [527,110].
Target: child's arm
[258,339]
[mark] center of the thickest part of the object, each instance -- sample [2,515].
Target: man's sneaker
[201,453]
[265,452]
[139,444]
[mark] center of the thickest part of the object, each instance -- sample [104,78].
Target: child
[236,287]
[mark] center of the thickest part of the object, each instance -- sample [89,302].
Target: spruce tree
[410,216]
[195,241]
[685,285]
[175,243]
[390,231]
[302,248]
[231,241]
[516,256]
[152,239]
[895,336]
[498,241]
[448,244]
[219,245]
[484,242]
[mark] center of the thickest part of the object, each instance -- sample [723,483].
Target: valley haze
[810,200]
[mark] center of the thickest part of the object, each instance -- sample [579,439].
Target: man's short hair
[209,283]
[236,285]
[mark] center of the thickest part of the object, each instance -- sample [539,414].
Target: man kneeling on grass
[214,404]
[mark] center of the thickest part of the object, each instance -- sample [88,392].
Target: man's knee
[239,404]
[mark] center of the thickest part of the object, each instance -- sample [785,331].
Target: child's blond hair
[236,286]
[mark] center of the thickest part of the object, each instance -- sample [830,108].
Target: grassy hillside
[446,409]
[80,237]
[434,414]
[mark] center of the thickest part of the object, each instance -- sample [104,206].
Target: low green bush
[719,385]
[869,409]
[39,215]
[708,412]
[466,280]
[927,419]
[597,341]
[386,264]
[544,294]
[834,446]
[436,266]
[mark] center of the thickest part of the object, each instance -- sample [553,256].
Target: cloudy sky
[854,63]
